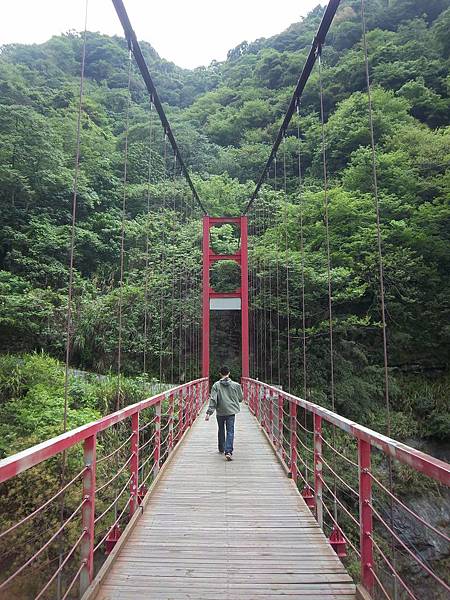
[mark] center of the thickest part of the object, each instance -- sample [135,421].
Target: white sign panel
[225,304]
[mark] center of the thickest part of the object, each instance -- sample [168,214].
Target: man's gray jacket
[225,397]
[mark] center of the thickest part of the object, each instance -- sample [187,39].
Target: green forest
[225,117]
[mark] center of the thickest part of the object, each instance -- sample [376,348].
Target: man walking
[225,398]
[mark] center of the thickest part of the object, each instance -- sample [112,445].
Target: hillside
[225,117]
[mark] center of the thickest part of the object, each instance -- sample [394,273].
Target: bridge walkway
[226,530]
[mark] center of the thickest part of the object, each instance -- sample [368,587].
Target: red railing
[342,466]
[92,516]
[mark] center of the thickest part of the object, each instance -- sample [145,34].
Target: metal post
[190,410]
[197,399]
[187,410]
[180,414]
[134,464]
[157,438]
[293,439]
[205,296]
[271,416]
[171,411]
[194,402]
[88,514]
[186,407]
[244,297]
[365,515]
[263,407]
[265,410]
[280,423]
[318,468]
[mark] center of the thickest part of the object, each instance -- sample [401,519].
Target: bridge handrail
[183,406]
[304,460]
[21,461]
[420,461]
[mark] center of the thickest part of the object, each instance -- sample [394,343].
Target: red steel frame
[195,394]
[241,258]
[256,393]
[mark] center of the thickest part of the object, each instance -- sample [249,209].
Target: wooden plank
[109,593]
[234,531]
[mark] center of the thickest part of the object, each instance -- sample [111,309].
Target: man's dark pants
[225,444]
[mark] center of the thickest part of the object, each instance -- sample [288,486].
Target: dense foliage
[225,117]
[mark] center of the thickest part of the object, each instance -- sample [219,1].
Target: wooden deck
[232,531]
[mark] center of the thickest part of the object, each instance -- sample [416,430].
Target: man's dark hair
[224,371]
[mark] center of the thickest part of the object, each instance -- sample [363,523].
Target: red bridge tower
[237,300]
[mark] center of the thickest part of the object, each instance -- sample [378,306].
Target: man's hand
[207,417]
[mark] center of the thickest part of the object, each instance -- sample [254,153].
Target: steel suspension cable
[147,240]
[197,323]
[256,298]
[71,272]
[74,222]
[277,268]
[317,43]
[286,248]
[378,223]
[122,235]
[142,65]
[181,313]
[262,311]
[251,302]
[259,290]
[173,278]
[256,285]
[187,328]
[255,294]
[327,237]
[191,292]
[302,280]
[264,281]
[163,255]
[380,268]
[302,260]
[270,320]
[195,286]
[328,257]
[186,315]
[181,324]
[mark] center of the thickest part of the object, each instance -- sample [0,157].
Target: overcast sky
[188,32]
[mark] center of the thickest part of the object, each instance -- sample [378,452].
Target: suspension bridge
[146,507]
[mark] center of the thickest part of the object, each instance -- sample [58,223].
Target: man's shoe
[220,451]
[228,456]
